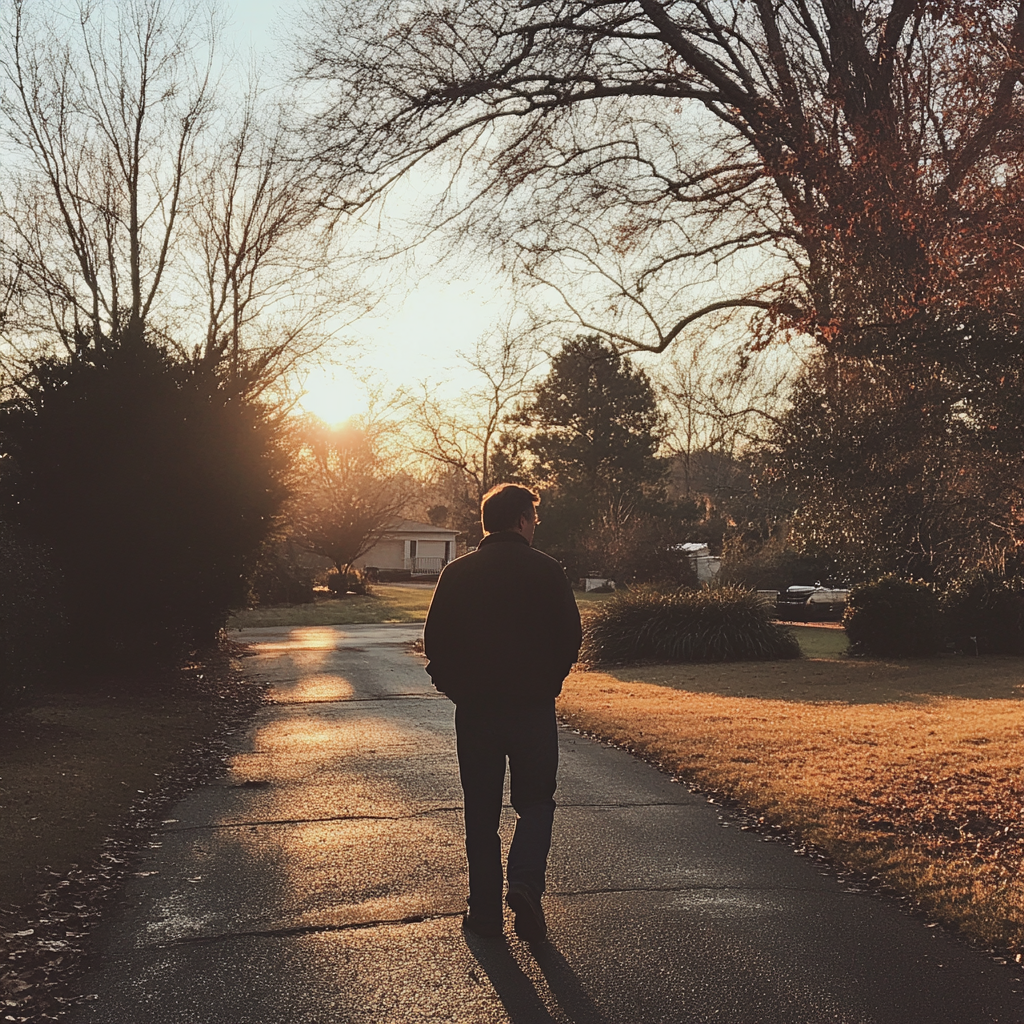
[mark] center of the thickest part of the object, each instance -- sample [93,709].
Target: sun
[332,393]
[411,341]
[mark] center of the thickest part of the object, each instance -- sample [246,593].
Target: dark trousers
[528,738]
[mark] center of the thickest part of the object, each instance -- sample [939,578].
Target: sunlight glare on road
[313,687]
[302,638]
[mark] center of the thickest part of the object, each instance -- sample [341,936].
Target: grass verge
[85,770]
[908,772]
[388,602]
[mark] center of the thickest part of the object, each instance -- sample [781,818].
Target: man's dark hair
[503,505]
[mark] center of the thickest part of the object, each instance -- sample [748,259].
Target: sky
[416,331]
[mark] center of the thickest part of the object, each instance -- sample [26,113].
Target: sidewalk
[323,880]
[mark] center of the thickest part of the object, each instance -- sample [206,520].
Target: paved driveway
[323,879]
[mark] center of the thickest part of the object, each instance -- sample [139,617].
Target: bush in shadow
[341,584]
[893,617]
[284,575]
[31,621]
[776,570]
[154,484]
[983,613]
[712,624]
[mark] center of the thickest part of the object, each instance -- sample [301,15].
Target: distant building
[705,564]
[419,548]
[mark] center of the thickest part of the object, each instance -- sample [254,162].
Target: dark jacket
[503,626]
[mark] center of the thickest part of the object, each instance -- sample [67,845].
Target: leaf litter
[45,947]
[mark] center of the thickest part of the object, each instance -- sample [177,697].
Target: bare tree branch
[141,200]
[885,164]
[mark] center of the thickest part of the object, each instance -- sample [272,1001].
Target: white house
[421,548]
[705,564]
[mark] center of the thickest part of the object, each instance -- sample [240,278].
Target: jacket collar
[503,537]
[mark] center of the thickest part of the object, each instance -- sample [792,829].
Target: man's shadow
[518,993]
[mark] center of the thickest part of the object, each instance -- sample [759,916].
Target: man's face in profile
[528,523]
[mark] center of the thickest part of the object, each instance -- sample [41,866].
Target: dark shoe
[484,928]
[530,924]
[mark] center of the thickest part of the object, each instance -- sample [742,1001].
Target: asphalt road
[323,879]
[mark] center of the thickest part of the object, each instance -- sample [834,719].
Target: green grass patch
[820,641]
[388,602]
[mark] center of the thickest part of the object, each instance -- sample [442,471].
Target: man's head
[510,507]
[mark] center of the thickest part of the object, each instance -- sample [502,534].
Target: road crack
[355,700]
[567,893]
[309,929]
[316,821]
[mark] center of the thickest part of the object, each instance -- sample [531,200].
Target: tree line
[825,192]
[838,172]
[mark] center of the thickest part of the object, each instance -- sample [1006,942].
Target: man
[501,635]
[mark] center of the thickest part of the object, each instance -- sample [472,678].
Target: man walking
[501,635]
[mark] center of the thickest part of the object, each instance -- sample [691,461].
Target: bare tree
[473,439]
[262,254]
[104,128]
[720,399]
[348,491]
[833,167]
[138,199]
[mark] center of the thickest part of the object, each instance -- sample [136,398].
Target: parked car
[812,604]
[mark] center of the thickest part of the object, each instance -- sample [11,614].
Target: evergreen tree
[596,432]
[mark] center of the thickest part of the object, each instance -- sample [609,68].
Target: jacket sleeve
[570,632]
[440,634]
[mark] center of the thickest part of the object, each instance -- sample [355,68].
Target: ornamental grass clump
[712,624]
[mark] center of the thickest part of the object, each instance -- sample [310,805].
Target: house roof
[691,549]
[410,526]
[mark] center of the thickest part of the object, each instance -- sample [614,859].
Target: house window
[447,550]
[412,549]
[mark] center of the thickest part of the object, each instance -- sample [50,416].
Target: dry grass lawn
[910,771]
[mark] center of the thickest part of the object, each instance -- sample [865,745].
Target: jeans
[485,737]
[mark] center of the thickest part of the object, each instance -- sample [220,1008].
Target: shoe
[482,927]
[530,924]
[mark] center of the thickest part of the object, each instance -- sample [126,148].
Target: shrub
[31,624]
[893,617]
[983,613]
[712,624]
[283,576]
[342,583]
